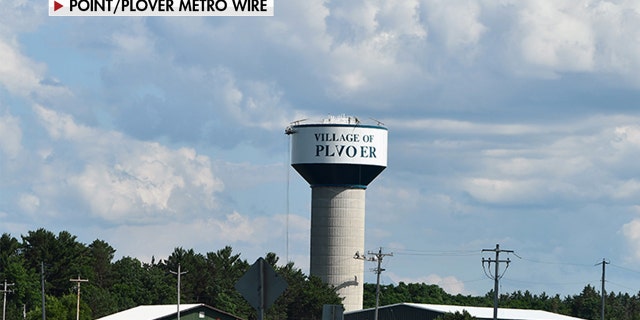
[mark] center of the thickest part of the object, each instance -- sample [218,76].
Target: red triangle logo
[56,5]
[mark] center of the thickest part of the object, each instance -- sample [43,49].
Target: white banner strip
[129,8]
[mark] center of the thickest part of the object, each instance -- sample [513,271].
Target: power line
[430,254]
[542,282]
[409,252]
[553,262]
[624,268]
[620,285]
[438,253]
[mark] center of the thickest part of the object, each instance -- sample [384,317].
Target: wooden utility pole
[78,281]
[179,273]
[496,275]
[376,257]
[379,256]
[603,263]
[4,300]
[44,305]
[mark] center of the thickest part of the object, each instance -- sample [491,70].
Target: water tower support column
[337,233]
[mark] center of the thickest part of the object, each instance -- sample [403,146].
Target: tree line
[126,283]
[586,305]
[41,256]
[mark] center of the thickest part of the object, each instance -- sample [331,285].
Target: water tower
[338,157]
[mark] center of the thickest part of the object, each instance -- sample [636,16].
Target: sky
[511,122]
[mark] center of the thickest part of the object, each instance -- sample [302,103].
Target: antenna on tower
[377,121]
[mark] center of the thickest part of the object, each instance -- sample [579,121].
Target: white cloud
[304,29]
[10,137]
[135,43]
[458,22]
[503,190]
[515,163]
[29,203]
[359,35]
[62,126]
[24,77]
[402,18]
[626,189]
[549,38]
[207,234]
[145,95]
[255,104]
[454,126]
[631,232]
[20,16]
[627,136]
[236,174]
[359,17]
[18,74]
[616,23]
[556,35]
[121,179]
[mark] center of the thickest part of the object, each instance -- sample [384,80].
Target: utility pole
[78,281]
[179,273]
[376,257]
[4,301]
[44,311]
[603,263]
[496,275]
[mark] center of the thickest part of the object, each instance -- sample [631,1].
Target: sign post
[261,286]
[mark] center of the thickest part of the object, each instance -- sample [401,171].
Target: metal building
[420,311]
[338,157]
[170,312]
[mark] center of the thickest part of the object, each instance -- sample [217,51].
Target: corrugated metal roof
[503,313]
[149,312]
[482,312]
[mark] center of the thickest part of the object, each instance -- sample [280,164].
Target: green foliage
[586,305]
[118,285]
[210,279]
[456,316]
[418,293]
[304,296]
[100,256]
[226,268]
